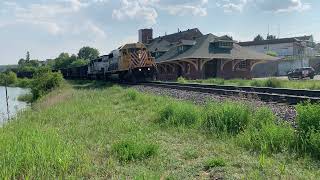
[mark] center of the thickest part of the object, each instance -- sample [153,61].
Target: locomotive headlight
[148,69]
[140,69]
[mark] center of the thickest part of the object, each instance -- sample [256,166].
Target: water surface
[14,104]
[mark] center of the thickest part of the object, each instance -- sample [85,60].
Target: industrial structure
[192,55]
[294,48]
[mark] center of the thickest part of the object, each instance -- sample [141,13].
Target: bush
[24,83]
[214,162]
[44,82]
[227,117]
[8,78]
[179,114]
[130,150]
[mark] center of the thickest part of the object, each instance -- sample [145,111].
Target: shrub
[8,78]
[179,114]
[214,162]
[24,83]
[130,150]
[227,117]
[44,82]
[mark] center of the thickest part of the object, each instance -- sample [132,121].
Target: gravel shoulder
[282,111]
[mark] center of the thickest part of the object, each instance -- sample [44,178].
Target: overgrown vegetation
[269,82]
[44,82]
[114,133]
[132,149]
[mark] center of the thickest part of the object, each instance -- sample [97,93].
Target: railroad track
[279,95]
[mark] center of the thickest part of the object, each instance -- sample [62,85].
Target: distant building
[294,48]
[145,35]
[192,55]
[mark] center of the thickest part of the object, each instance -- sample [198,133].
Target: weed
[227,117]
[268,139]
[182,80]
[273,82]
[130,150]
[132,94]
[179,114]
[190,153]
[214,162]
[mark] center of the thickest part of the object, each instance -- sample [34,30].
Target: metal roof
[276,41]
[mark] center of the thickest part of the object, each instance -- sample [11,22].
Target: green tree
[258,38]
[22,62]
[28,56]
[78,63]
[88,53]
[8,78]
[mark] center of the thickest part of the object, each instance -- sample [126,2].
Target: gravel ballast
[282,111]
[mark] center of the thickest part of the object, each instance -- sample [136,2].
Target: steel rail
[279,95]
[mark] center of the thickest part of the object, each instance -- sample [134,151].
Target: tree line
[27,67]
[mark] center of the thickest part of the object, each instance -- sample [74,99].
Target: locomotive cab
[138,62]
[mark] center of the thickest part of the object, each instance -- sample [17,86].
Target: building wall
[284,49]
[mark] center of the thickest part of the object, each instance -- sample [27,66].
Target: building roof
[189,34]
[277,41]
[159,45]
[204,50]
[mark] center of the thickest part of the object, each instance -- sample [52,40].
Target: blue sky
[49,27]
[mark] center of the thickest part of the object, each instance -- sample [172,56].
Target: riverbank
[105,131]
[15,105]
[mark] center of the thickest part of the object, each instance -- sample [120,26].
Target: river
[14,104]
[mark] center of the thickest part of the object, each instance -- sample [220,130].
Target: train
[130,62]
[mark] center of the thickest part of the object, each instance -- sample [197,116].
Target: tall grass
[131,149]
[270,82]
[179,114]
[29,153]
[227,117]
[308,137]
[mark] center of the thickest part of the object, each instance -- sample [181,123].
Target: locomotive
[131,62]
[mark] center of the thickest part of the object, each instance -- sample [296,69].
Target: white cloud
[147,10]
[138,10]
[276,6]
[58,17]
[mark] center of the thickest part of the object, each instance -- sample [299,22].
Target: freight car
[131,62]
[75,72]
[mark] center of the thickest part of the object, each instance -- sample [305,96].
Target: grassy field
[101,131]
[271,82]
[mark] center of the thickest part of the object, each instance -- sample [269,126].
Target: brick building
[192,55]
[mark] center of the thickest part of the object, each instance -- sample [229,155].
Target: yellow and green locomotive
[130,62]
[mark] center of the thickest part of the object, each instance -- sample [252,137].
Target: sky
[46,28]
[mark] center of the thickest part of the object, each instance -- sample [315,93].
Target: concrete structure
[192,55]
[295,48]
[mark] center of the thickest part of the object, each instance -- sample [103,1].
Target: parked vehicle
[301,73]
